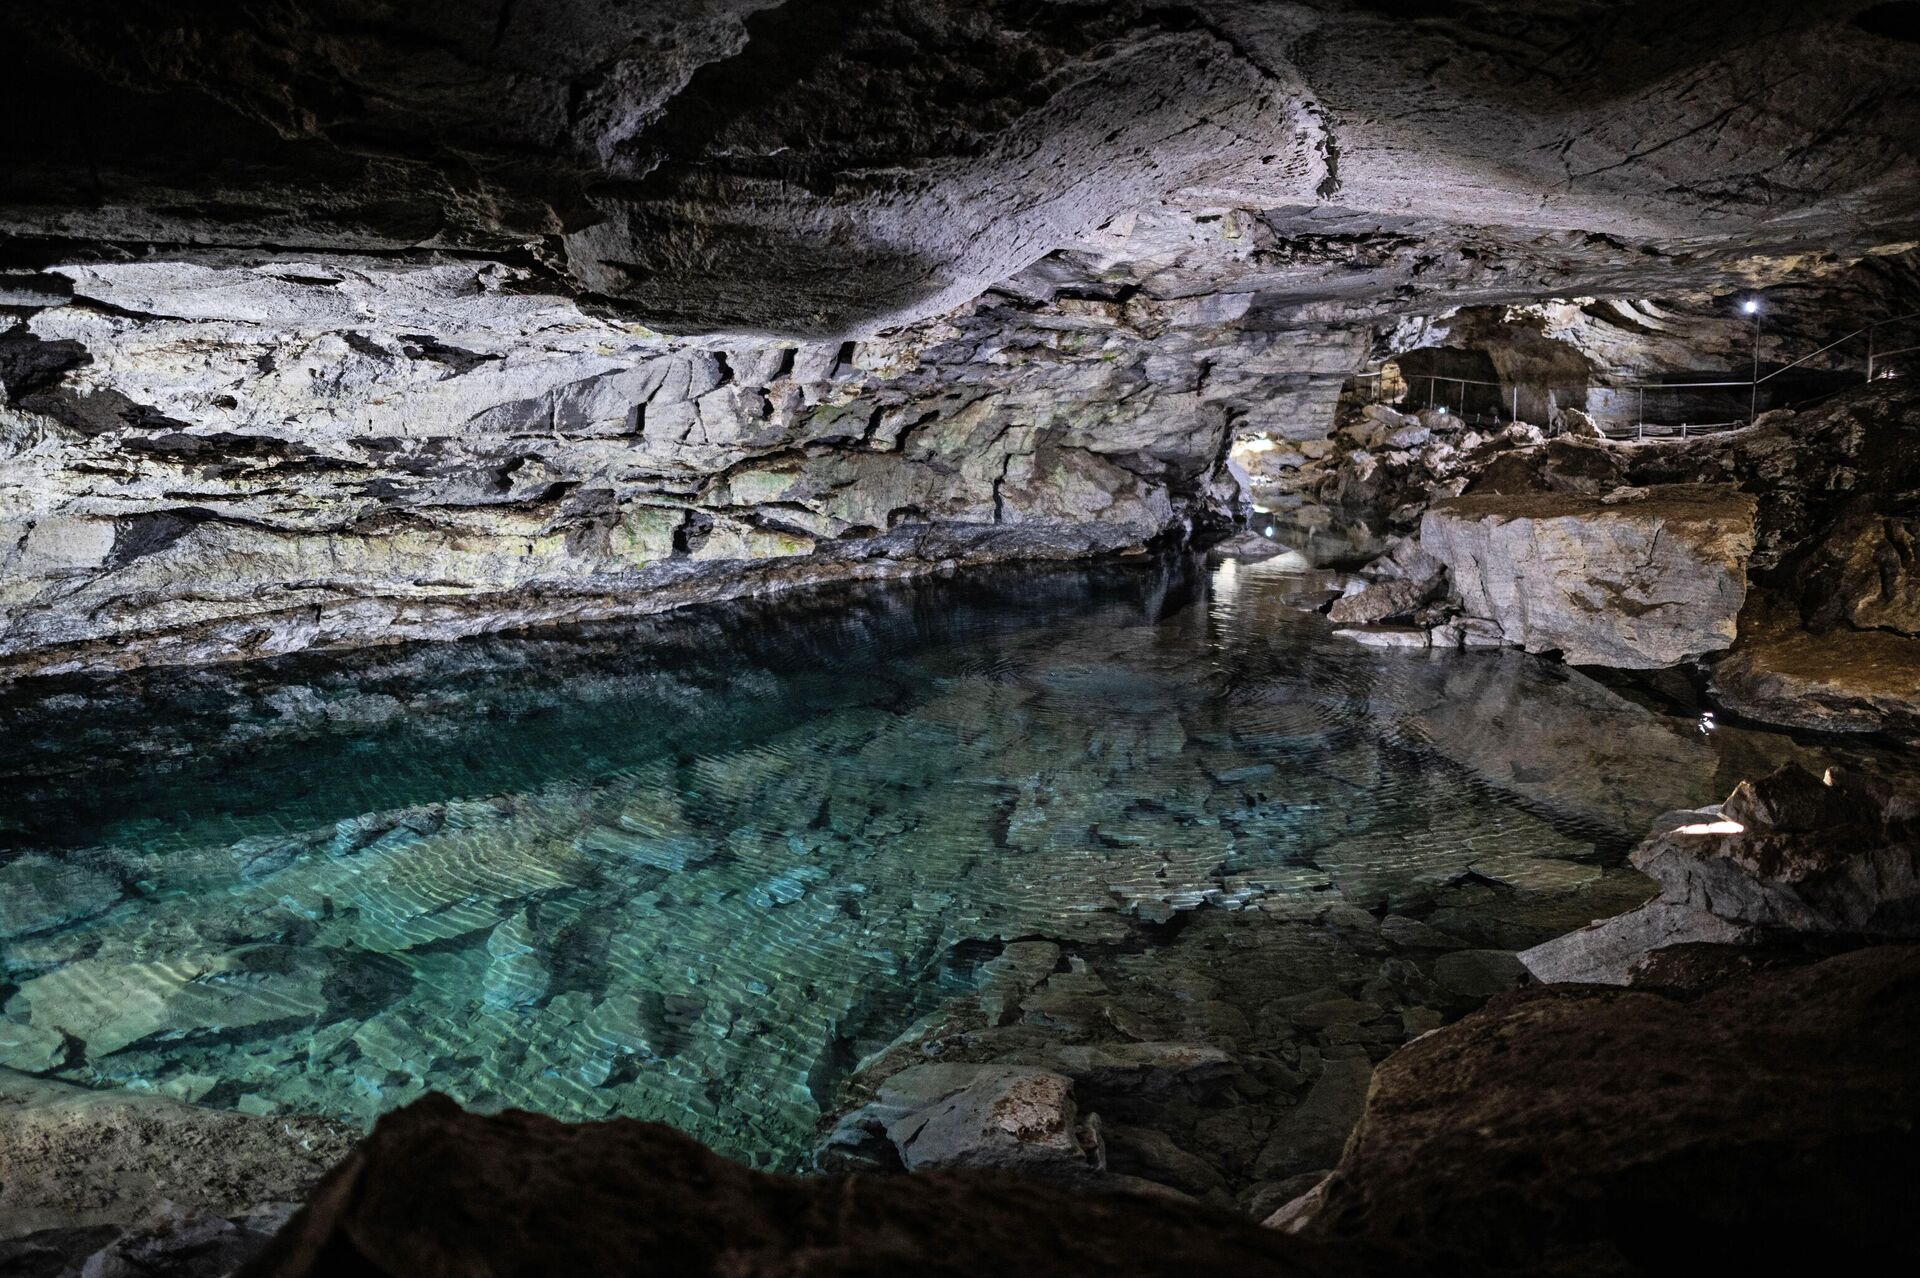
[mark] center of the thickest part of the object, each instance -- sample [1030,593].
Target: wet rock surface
[1766,1121]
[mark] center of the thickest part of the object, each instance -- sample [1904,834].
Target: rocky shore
[1775,560]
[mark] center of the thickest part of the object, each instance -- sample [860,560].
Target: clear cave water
[695,868]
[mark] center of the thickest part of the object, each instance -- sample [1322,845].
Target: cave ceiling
[829,170]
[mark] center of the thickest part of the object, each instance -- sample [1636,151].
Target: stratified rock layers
[201,464]
[1642,579]
[329,324]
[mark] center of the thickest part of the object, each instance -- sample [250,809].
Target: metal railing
[1757,379]
[1875,358]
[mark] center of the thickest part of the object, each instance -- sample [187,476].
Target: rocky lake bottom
[1147,823]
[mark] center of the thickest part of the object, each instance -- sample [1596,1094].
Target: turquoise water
[696,869]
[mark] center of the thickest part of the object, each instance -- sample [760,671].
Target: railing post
[1870,337]
[1640,414]
[1516,402]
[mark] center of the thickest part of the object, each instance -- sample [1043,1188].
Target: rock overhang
[522,280]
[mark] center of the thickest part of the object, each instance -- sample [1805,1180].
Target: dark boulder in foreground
[436,1190]
[1578,1130]
[1560,1130]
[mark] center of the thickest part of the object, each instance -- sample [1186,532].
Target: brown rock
[1381,601]
[1841,681]
[1865,574]
[435,1190]
[1577,1131]
[1789,851]
[72,1157]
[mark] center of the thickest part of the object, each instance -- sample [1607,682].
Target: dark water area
[694,869]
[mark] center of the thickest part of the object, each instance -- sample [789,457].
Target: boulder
[1006,1117]
[1788,853]
[1765,1123]
[1468,632]
[1793,851]
[1010,1118]
[1843,680]
[1639,585]
[438,1190]
[1613,951]
[1865,574]
[1575,422]
[1380,601]
[1399,581]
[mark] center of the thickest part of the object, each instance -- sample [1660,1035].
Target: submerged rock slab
[437,1190]
[71,1157]
[1577,1131]
[1640,583]
[1611,951]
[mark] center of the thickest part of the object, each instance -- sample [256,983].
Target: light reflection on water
[693,868]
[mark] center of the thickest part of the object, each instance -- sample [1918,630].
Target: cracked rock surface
[327,323]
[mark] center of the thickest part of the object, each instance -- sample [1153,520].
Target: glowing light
[1713,827]
[1750,306]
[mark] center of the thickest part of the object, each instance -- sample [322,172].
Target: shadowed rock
[1578,1131]
[1789,854]
[436,1190]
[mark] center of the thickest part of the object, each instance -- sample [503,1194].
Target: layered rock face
[342,450]
[332,324]
[1640,578]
